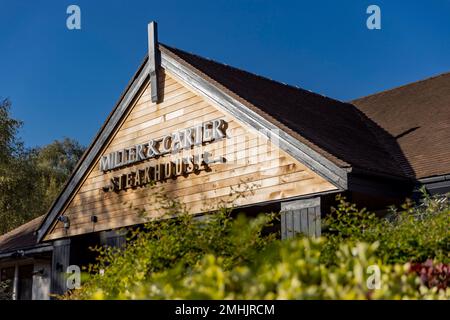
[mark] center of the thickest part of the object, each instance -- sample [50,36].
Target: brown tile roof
[21,237]
[336,130]
[417,116]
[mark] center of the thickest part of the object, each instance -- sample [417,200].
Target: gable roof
[336,130]
[417,117]
[329,136]
[20,238]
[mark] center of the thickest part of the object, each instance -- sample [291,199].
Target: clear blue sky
[65,83]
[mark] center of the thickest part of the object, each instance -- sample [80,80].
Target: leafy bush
[285,270]
[219,257]
[5,290]
[176,244]
[413,234]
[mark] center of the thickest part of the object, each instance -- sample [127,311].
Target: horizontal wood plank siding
[254,166]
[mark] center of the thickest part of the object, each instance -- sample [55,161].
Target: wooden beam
[15,293]
[153,59]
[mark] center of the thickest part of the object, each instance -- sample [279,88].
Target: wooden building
[202,132]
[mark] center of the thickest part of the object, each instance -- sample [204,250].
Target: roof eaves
[341,167]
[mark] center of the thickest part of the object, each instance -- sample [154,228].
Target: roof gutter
[435,179]
[22,252]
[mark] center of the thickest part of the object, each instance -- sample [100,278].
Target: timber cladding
[245,167]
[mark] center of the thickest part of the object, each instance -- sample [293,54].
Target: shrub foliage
[412,234]
[219,257]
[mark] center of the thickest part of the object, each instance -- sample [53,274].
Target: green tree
[30,180]
[11,157]
[54,164]
[9,144]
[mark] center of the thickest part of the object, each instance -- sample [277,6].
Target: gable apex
[213,91]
